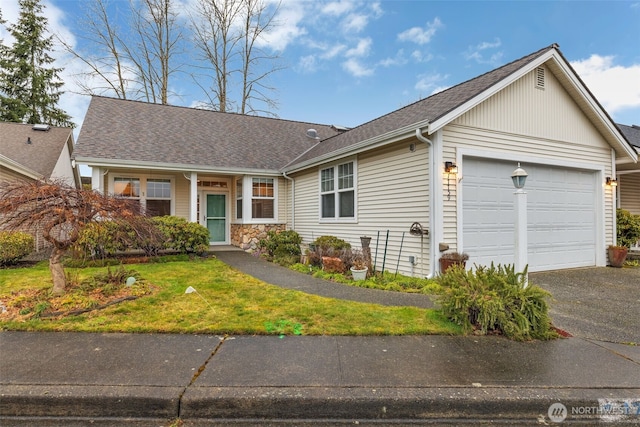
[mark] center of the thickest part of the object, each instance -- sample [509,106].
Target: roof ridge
[444,92]
[153,104]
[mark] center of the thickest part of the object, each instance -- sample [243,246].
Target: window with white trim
[158,197]
[337,192]
[153,194]
[239,198]
[262,198]
[126,187]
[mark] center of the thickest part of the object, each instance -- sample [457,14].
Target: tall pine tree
[29,85]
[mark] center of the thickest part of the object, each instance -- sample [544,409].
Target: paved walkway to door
[600,303]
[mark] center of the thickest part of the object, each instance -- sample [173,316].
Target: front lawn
[225,302]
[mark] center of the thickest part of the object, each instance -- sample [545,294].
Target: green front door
[216,218]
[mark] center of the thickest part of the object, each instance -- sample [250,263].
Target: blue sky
[348,62]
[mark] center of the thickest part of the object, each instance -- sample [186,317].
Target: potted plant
[359,266]
[617,255]
[452,258]
[628,234]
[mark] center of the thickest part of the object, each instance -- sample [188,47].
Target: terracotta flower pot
[445,264]
[617,256]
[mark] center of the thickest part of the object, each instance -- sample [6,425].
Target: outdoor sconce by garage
[519,176]
[450,167]
[611,182]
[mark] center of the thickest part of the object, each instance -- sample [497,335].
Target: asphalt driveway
[595,303]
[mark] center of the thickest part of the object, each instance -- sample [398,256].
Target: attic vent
[41,127]
[312,133]
[540,78]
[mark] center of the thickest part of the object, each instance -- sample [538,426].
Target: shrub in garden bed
[105,239]
[282,247]
[14,246]
[495,299]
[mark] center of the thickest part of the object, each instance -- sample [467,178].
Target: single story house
[429,177]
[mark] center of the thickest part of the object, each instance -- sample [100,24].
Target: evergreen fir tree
[29,85]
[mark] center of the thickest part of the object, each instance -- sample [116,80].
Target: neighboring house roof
[118,132]
[434,112]
[34,153]
[632,133]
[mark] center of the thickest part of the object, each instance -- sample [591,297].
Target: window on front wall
[337,191]
[262,198]
[239,198]
[126,187]
[159,197]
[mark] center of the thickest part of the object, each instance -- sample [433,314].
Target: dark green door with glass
[216,217]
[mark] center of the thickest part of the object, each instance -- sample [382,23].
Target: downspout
[293,198]
[432,171]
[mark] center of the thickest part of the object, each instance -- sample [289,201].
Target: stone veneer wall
[247,236]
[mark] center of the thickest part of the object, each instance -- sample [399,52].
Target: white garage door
[561,214]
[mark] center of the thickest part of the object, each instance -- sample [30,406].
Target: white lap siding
[392,194]
[630,192]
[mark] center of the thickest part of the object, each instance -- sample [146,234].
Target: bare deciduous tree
[60,212]
[227,34]
[135,62]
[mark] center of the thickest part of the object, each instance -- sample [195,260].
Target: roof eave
[173,167]
[402,133]
[18,168]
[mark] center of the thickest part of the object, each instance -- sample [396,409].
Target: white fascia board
[18,168]
[175,167]
[368,144]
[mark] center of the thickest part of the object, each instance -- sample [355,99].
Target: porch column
[193,198]
[96,180]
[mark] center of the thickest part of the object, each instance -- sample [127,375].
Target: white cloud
[307,64]
[399,59]
[362,49]
[616,87]
[288,26]
[421,35]
[430,83]
[337,8]
[355,23]
[477,53]
[355,68]
[418,56]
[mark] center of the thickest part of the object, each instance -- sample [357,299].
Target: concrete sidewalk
[154,379]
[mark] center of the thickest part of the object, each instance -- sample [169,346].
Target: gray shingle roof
[428,109]
[115,129]
[632,133]
[42,154]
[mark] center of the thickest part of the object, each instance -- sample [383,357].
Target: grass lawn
[226,302]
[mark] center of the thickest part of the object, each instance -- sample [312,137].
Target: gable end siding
[523,109]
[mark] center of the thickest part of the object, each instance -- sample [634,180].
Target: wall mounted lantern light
[519,176]
[611,182]
[450,167]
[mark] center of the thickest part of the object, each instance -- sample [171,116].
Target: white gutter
[432,172]
[293,200]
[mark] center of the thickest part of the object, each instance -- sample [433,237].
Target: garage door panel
[561,214]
